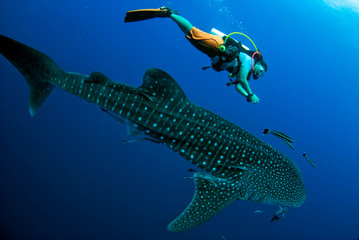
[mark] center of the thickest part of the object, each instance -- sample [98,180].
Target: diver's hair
[263,63]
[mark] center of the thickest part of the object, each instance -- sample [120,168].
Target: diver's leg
[162,12]
[183,23]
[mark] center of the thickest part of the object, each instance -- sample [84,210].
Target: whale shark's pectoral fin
[211,196]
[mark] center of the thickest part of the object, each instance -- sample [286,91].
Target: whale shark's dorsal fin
[161,86]
[97,77]
[211,196]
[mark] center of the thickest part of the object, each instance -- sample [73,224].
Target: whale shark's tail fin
[36,67]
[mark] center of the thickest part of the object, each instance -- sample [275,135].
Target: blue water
[65,174]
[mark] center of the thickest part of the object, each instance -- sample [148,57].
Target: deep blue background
[66,174]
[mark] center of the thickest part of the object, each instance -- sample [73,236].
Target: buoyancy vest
[229,58]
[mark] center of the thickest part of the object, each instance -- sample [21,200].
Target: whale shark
[235,164]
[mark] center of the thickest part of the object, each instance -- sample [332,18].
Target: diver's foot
[165,12]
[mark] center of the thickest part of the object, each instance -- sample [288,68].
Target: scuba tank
[229,51]
[226,37]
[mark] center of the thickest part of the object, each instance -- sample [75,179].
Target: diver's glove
[252,98]
[249,97]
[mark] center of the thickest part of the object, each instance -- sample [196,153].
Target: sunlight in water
[351,5]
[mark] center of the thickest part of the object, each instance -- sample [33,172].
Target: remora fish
[279,134]
[286,139]
[238,164]
[308,159]
[282,211]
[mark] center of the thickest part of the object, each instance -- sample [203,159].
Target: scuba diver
[225,52]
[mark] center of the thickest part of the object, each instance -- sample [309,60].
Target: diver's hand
[254,99]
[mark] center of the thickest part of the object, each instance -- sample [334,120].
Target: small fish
[279,134]
[258,212]
[129,141]
[191,170]
[280,211]
[146,94]
[243,168]
[141,139]
[224,238]
[118,118]
[310,161]
[274,218]
[289,144]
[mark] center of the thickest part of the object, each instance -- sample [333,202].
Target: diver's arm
[240,89]
[243,87]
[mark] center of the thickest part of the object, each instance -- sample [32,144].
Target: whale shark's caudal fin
[36,67]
